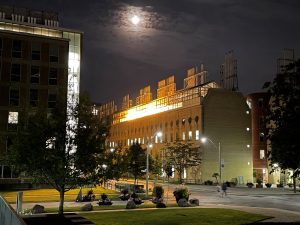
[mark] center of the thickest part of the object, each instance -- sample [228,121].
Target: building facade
[259,103]
[200,109]
[37,60]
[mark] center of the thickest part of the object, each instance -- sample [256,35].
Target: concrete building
[200,109]
[37,58]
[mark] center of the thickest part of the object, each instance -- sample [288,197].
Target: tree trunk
[61,201]
[294,183]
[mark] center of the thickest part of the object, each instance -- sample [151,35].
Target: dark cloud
[119,58]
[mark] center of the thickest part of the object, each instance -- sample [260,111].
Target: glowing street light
[135,20]
[158,134]
[204,140]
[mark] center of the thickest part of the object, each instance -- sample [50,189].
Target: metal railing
[8,215]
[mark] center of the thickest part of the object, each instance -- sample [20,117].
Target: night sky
[120,58]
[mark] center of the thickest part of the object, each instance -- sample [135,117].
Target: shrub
[250,185]
[268,185]
[158,191]
[181,193]
[208,182]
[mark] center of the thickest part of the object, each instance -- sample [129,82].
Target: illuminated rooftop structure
[172,99]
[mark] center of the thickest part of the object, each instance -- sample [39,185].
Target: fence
[8,215]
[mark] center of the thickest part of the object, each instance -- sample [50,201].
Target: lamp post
[204,140]
[158,134]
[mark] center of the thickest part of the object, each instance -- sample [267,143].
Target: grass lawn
[187,216]
[52,195]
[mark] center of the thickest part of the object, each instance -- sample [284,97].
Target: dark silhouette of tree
[55,150]
[136,159]
[181,155]
[284,120]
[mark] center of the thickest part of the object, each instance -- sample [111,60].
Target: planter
[259,186]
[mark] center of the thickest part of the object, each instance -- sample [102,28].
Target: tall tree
[284,120]
[182,155]
[55,150]
[136,157]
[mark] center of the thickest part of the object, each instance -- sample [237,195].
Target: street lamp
[158,134]
[204,140]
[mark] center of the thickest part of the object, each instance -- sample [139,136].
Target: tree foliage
[181,155]
[284,119]
[53,149]
[136,158]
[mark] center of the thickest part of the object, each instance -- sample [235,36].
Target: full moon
[135,20]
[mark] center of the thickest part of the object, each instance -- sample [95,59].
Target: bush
[250,185]
[181,193]
[158,191]
[208,182]
[268,185]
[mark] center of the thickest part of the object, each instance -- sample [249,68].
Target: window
[51,100]
[13,119]
[17,49]
[52,80]
[171,137]
[183,122]
[50,143]
[183,136]
[262,154]
[34,97]
[35,51]
[177,136]
[260,102]
[14,96]
[190,135]
[197,136]
[15,73]
[35,75]
[261,137]
[53,52]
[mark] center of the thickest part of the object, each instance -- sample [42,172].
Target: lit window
[13,121]
[139,140]
[190,135]
[183,135]
[184,173]
[156,139]
[249,103]
[128,142]
[50,143]
[262,154]
[197,135]
[13,117]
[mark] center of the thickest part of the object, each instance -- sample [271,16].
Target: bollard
[19,202]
